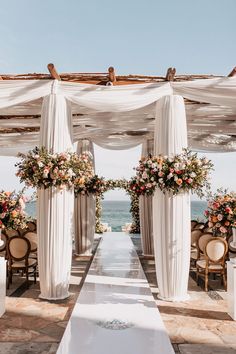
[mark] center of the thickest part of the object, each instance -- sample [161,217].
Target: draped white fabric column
[54,207]
[84,211]
[171,214]
[145,211]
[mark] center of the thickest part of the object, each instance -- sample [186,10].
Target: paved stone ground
[34,326]
[198,326]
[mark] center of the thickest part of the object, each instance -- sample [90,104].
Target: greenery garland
[134,208]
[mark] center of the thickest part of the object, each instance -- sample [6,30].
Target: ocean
[116,213]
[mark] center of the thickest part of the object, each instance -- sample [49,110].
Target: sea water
[116,213]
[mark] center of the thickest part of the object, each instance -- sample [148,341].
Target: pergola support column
[84,211]
[171,214]
[55,207]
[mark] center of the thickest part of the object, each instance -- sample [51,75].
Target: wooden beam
[53,72]
[233,72]
[111,74]
[170,74]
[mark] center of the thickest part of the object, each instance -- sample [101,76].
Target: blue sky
[136,37]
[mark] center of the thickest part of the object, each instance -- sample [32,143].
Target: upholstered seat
[211,266]
[31,262]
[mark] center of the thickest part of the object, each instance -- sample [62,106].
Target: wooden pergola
[221,126]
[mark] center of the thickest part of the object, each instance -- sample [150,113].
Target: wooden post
[111,74]
[170,74]
[53,72]
[233,72]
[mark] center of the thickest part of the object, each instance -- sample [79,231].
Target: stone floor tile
[54,331]
[204,349]
[27,348]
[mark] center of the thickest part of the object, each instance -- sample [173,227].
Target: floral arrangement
[95,185]
[138,186]
[12,215]
[182,172]
[117,183]
[221,212]
[43,169]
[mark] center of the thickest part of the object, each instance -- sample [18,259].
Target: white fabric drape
[84,211]
[84,224]
[145,211]
[171,214]
[120,117]
[54,207]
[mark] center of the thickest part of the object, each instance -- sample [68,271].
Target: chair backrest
[207,229]
[216,249]
[22,231]
[193,223]
[202,241]
[12,232]
[195,234]
[4,238]
[199,225]
[18,248]
[33,239]
[31,225]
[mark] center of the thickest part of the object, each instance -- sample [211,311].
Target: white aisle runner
[115,312]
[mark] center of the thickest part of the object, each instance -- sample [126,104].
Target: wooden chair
[18,250]
[12,232]
[208,230]
[33,239]
[193,224]
[200,226]
[32,226]
[195,234]
[214,261]
[201,244]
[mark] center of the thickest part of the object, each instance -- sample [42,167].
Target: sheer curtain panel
[171,214]
[55,208]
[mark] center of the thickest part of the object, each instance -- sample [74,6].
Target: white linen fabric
[84,211]
[84,224]
[171,214]
[55,208]
[145,211]
[120,117]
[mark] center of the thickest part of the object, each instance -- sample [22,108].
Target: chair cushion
[21,264]
[202,264]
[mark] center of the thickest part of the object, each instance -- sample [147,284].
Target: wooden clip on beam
[111,74]
[53,72]
[170,74]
